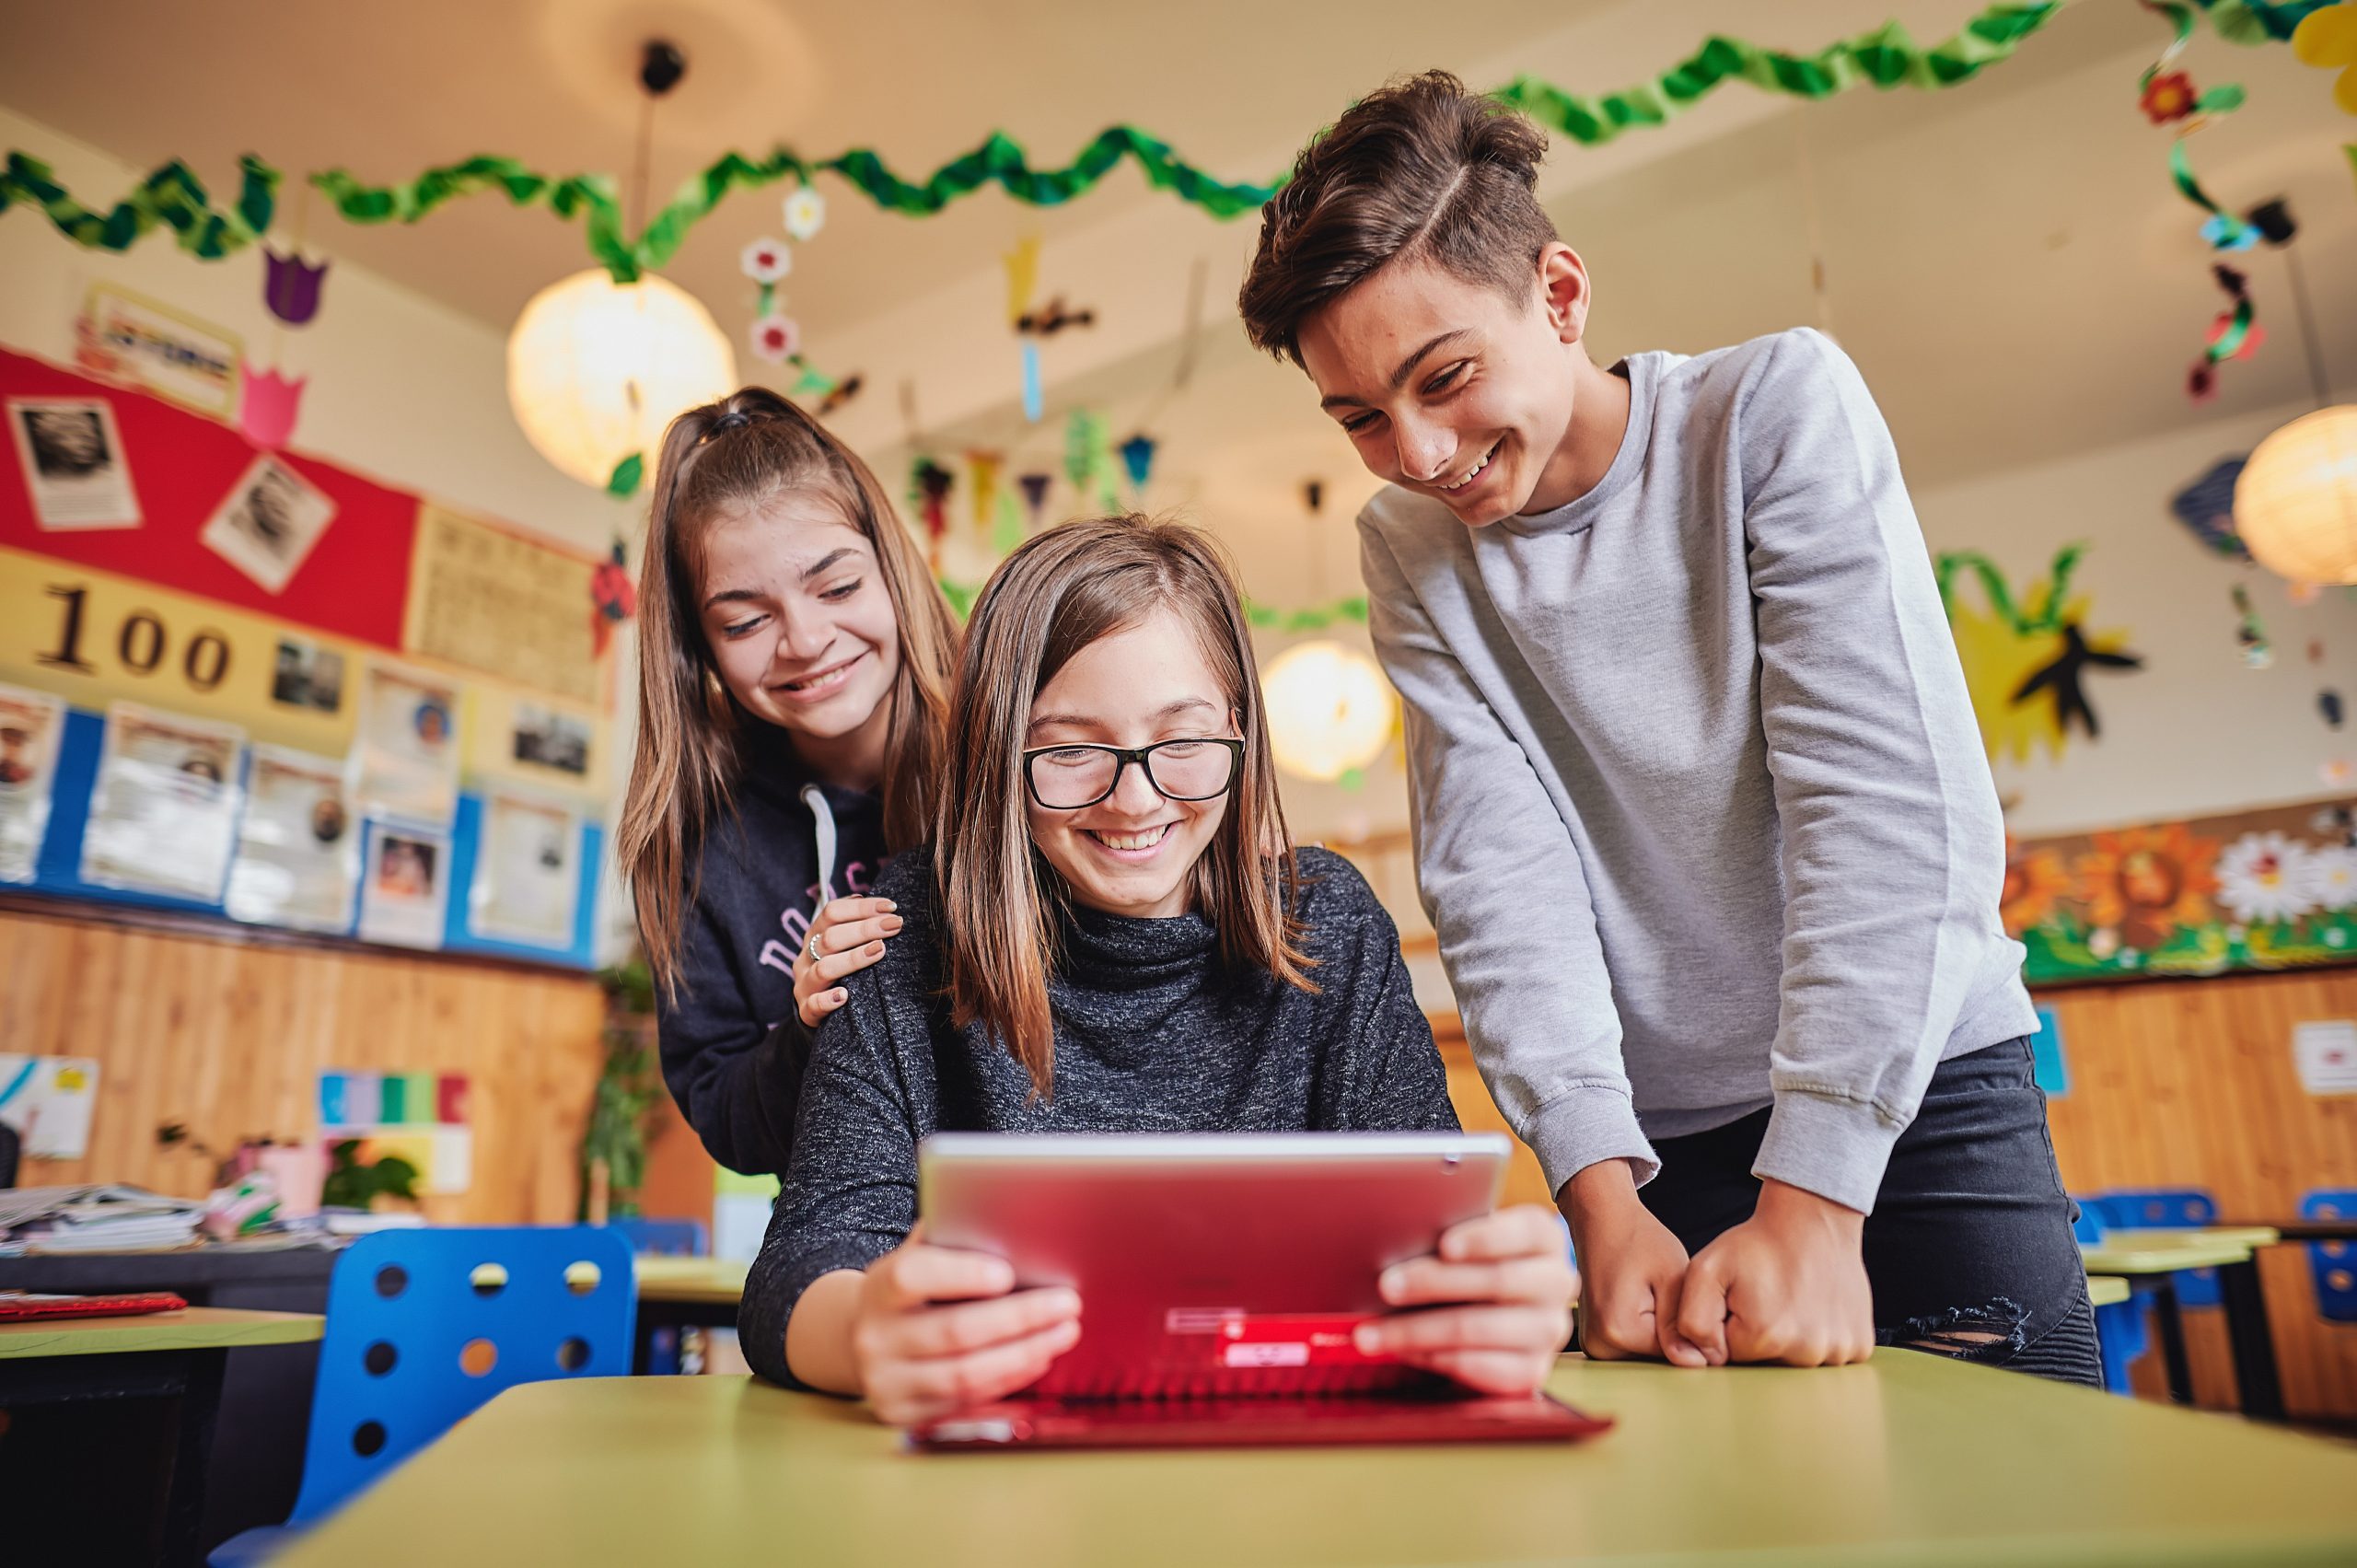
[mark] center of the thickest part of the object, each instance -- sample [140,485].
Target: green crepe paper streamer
[623,483]
[1351,779]
[2351,150]
[1316,619]
[2248,22]
[1007,524]
[1886,58]
[1002,160]
[172,195]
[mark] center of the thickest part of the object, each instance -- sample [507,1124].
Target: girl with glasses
[1113,932]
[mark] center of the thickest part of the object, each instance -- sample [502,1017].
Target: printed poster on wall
[73,462]
[31,724]
[267,524]
[164,811]
[298,847]
[130,338]
[495,601]
[402,885]
[48,1099]
[406,758]
[528,871]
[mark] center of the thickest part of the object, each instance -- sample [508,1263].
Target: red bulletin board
[354,583]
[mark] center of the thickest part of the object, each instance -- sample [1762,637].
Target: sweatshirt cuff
[1587,1125]
[1828,1146]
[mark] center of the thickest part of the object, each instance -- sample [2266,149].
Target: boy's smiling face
[1450,388]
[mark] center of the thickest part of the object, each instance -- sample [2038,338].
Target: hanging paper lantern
[267,405]
[596,369]
[1330,710]
[2295,505]
[290,287]
[777,337]
[805,213]
[765,260]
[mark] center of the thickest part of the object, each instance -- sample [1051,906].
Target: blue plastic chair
[2121,1332]
[2167,1208]
[665,1238]
[426,1325]
[2334,1264]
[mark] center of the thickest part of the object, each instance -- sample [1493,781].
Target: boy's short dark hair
[1420,167]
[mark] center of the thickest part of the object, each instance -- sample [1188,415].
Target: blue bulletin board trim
[57,873]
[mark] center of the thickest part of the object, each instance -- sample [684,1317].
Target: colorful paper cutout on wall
[2264,889]
[2027,660]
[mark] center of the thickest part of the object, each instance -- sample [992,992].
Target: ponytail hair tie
[735,419]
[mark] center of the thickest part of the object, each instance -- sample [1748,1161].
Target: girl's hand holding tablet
[937,1329]
[1492,1306]
[848,936]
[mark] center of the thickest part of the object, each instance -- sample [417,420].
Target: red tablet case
[17,1306]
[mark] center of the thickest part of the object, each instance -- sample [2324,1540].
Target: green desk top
[2166,1251]
[717,1280]
[1908,1457]
[197,1328]
[2106,1290]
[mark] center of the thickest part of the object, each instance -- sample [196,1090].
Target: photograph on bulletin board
[267,524]
[75,467]
[550,737]
[306,675]
[164,812]
[31,724]
[402,885]
[298,847]
[407,755]
[528,871]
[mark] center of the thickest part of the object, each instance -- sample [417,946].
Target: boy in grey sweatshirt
[1702,813]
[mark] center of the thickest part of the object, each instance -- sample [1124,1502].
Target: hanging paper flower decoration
[1137,457]
[766,261]
[805,213]
[2328,37]
[2167,97]
[267,405]
[776,339]
[613,598]
[929,485]
[290,287]
[2228,233]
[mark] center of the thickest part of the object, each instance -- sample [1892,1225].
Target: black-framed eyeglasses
[1068,778]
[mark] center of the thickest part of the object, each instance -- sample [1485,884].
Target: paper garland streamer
[1316,618]
[173,195]
[2249,636]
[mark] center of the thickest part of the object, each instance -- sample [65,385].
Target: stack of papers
[95,1219]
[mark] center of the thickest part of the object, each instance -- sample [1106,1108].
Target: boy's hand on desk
[1788,1284]
[937,1331]
[1631,1268]
[1507,1285]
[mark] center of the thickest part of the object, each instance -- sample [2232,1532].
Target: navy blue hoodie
[732,1045]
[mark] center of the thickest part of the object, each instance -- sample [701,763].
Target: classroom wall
[229,1034]
[401,388]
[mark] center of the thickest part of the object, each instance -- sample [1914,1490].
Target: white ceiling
[2007,260]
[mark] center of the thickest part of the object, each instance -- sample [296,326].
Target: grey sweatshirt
[1701,814]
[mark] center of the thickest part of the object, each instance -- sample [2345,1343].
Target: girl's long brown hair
[726,459]
[1059,592]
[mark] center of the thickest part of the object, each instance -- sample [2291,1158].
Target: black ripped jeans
[1971,1234]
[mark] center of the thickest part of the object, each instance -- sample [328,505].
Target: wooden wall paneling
[229,1036]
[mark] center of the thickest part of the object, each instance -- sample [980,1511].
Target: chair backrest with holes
[426,1325]
[2167,1208]
[664,1238]
[2334,1264]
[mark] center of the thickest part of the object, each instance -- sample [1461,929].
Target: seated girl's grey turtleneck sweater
[1153,1034]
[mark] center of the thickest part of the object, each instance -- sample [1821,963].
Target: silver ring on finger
[812,945]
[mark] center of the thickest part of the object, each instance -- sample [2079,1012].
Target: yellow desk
[681,1293]
[196,1328]
[1908,1457]
[2106,1290]
[151,1368]
[2155,1257]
